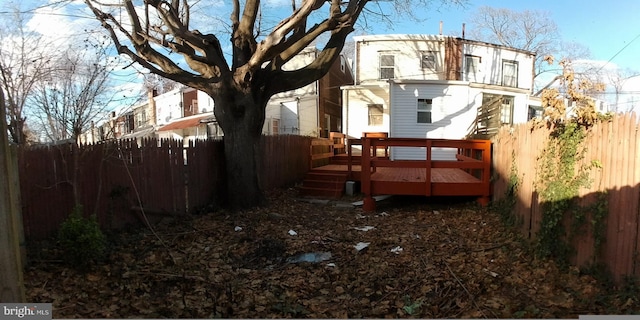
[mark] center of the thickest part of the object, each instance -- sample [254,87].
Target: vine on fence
[558,185]
[504,207]
[561,170]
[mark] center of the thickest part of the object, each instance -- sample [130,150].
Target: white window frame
[426,108]
[384,65]
[506,109]
[509,80]
[471,65]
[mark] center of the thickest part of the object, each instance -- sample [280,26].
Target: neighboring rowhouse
[313,110]
[188,114]
[179,116]
[433,86]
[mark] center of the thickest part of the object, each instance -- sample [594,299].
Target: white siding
[407,50]
[168,106]
[453,111]
[205,103]
[490,66]
[355,110]
[308,108]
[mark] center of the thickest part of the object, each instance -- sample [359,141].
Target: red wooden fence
[160,176]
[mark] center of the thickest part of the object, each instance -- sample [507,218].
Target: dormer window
[387,66]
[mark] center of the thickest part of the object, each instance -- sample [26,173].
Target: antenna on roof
[463,25]
[440,27]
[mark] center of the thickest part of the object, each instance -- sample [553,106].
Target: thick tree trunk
[241,118]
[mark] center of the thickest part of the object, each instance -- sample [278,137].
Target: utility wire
[617,53]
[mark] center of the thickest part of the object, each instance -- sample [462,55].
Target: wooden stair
[323,184]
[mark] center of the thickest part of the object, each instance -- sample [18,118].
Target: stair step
[321,192]
[323,184]
[326,176]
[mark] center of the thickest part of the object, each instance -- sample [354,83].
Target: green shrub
[81,239]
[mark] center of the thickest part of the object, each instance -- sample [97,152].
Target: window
[506,110]
[509,73]
[471,64]
[375,114]
[533,113]
[327,126]
[387,66]
[429,60]
[424,110]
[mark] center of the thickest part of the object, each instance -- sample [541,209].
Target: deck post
[369,204]
[427,191]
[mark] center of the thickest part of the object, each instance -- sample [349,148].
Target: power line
[619,51]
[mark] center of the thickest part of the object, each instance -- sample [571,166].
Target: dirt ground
[424,258]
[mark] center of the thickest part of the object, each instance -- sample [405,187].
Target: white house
[313,110]
[433,86]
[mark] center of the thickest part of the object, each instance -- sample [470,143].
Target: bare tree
[22,65]
[618,78]
[528,30]
[74,93]
[158,35]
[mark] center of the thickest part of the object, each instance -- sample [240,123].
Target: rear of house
[426,86]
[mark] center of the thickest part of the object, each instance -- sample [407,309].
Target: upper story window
[509,73]
[425,106]
[471,66]
[429,60]
[375,115]
[387,66]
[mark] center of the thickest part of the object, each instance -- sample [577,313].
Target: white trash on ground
[292,233]
[397,250]
[361,245]
[236,229]
[314,257]
[365,228]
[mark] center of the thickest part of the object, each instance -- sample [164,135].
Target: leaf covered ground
[425,258]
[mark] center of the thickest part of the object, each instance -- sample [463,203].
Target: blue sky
[605,27]
[609,29]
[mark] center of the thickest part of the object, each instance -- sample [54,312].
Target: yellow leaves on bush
[574,102]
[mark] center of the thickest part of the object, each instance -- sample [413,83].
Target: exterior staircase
[323,184]
[329,183]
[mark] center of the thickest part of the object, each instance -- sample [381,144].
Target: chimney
[463,26]
[440,27]
[152,107]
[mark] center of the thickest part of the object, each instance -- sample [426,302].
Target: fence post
[11,278]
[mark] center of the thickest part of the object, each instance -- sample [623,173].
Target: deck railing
[473,156]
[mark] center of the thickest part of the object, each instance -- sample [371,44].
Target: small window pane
[424,117]
[387,60]
[429,60]
[375,115]
[424,110]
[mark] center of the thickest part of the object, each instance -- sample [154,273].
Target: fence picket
[114,174]
[615,145]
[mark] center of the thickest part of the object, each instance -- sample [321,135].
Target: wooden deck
[467,175]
